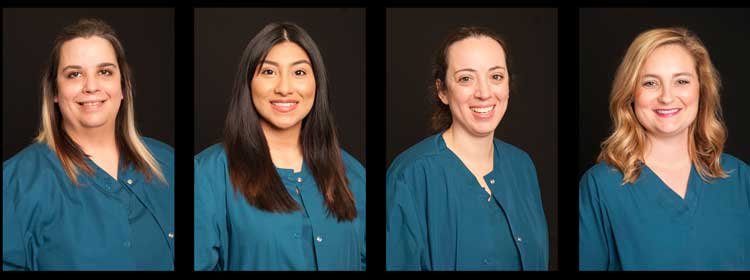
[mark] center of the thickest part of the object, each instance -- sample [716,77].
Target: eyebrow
[101,65]
[673,75]
[301,61]
[472,70]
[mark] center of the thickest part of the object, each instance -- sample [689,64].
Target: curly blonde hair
[624,149]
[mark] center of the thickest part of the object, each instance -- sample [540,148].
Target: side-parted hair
[441,117]
[625,148]
[251,169]
[129,144]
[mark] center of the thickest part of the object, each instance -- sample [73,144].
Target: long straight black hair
[251,169]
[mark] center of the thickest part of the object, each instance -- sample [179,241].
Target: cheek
[306,88]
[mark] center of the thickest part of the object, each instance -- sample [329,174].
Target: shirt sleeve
[595,245]
[363,230]
[404,247]
[207,229]
[14,244]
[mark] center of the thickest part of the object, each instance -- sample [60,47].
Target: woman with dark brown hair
[461,199]
[91,194]
[279,193]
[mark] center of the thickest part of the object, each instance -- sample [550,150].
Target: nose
[482,90]
[91,85]
[283,87]
[665,96]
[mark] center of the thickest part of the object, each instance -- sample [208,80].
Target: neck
[284,146]
[469,147]
[668,151]
[93,141]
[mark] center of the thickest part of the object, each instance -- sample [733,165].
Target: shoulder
[212,157]
[34,157]
[33,173]
[730,162]
[601,175]
[513,153]
[415,156]
[161,151]
[352,165]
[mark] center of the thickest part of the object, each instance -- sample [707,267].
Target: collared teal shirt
[646,226]
[440,218]
[102,224]
[231,234]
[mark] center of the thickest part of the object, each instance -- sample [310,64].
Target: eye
[72,75]
[267,72]
[300,72]
[498,77]
[464,79]
[649,84]
[683,82]
[105,72]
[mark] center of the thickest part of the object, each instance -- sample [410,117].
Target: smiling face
[89,92]
[283,88]
[667,94]
[476,85]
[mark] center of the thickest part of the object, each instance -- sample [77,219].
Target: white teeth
[92,103]
[483,110]
[287,105]
[665,112]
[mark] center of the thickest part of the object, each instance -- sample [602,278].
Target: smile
[284,106]
[482,110]
[91,106]
[665,113]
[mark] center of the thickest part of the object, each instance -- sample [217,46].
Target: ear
[441,93]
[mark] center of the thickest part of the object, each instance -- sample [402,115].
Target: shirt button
[126,244]
[485,261]
[171,235]
[492,181]
[299,179]
[296,235]
[319,239]
[519,239]
[130,181]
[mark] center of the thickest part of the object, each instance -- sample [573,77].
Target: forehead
[474,52]
[671,58]
[87,51]
[287,52]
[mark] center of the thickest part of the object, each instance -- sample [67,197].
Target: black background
[530,122]
[605,35]
[222,34]
[28,37]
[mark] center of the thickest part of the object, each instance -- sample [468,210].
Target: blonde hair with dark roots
[625,147]
[129,143]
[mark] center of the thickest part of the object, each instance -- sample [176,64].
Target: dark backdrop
[530,123]
[221,35]
[605,35]
[28,37]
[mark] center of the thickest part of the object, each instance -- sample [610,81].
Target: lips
[284,106]
[665,113]
[482,109]
[91,105]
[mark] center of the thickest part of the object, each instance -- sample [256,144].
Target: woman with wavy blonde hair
[663,195]
[91,193]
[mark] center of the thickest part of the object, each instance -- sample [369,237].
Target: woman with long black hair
[279,193]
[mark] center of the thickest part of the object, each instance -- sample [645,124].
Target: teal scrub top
[646,226]
[231,234]
[440,218]
[102,224]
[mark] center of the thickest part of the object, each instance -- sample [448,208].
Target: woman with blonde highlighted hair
[664,196]
[91,193]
